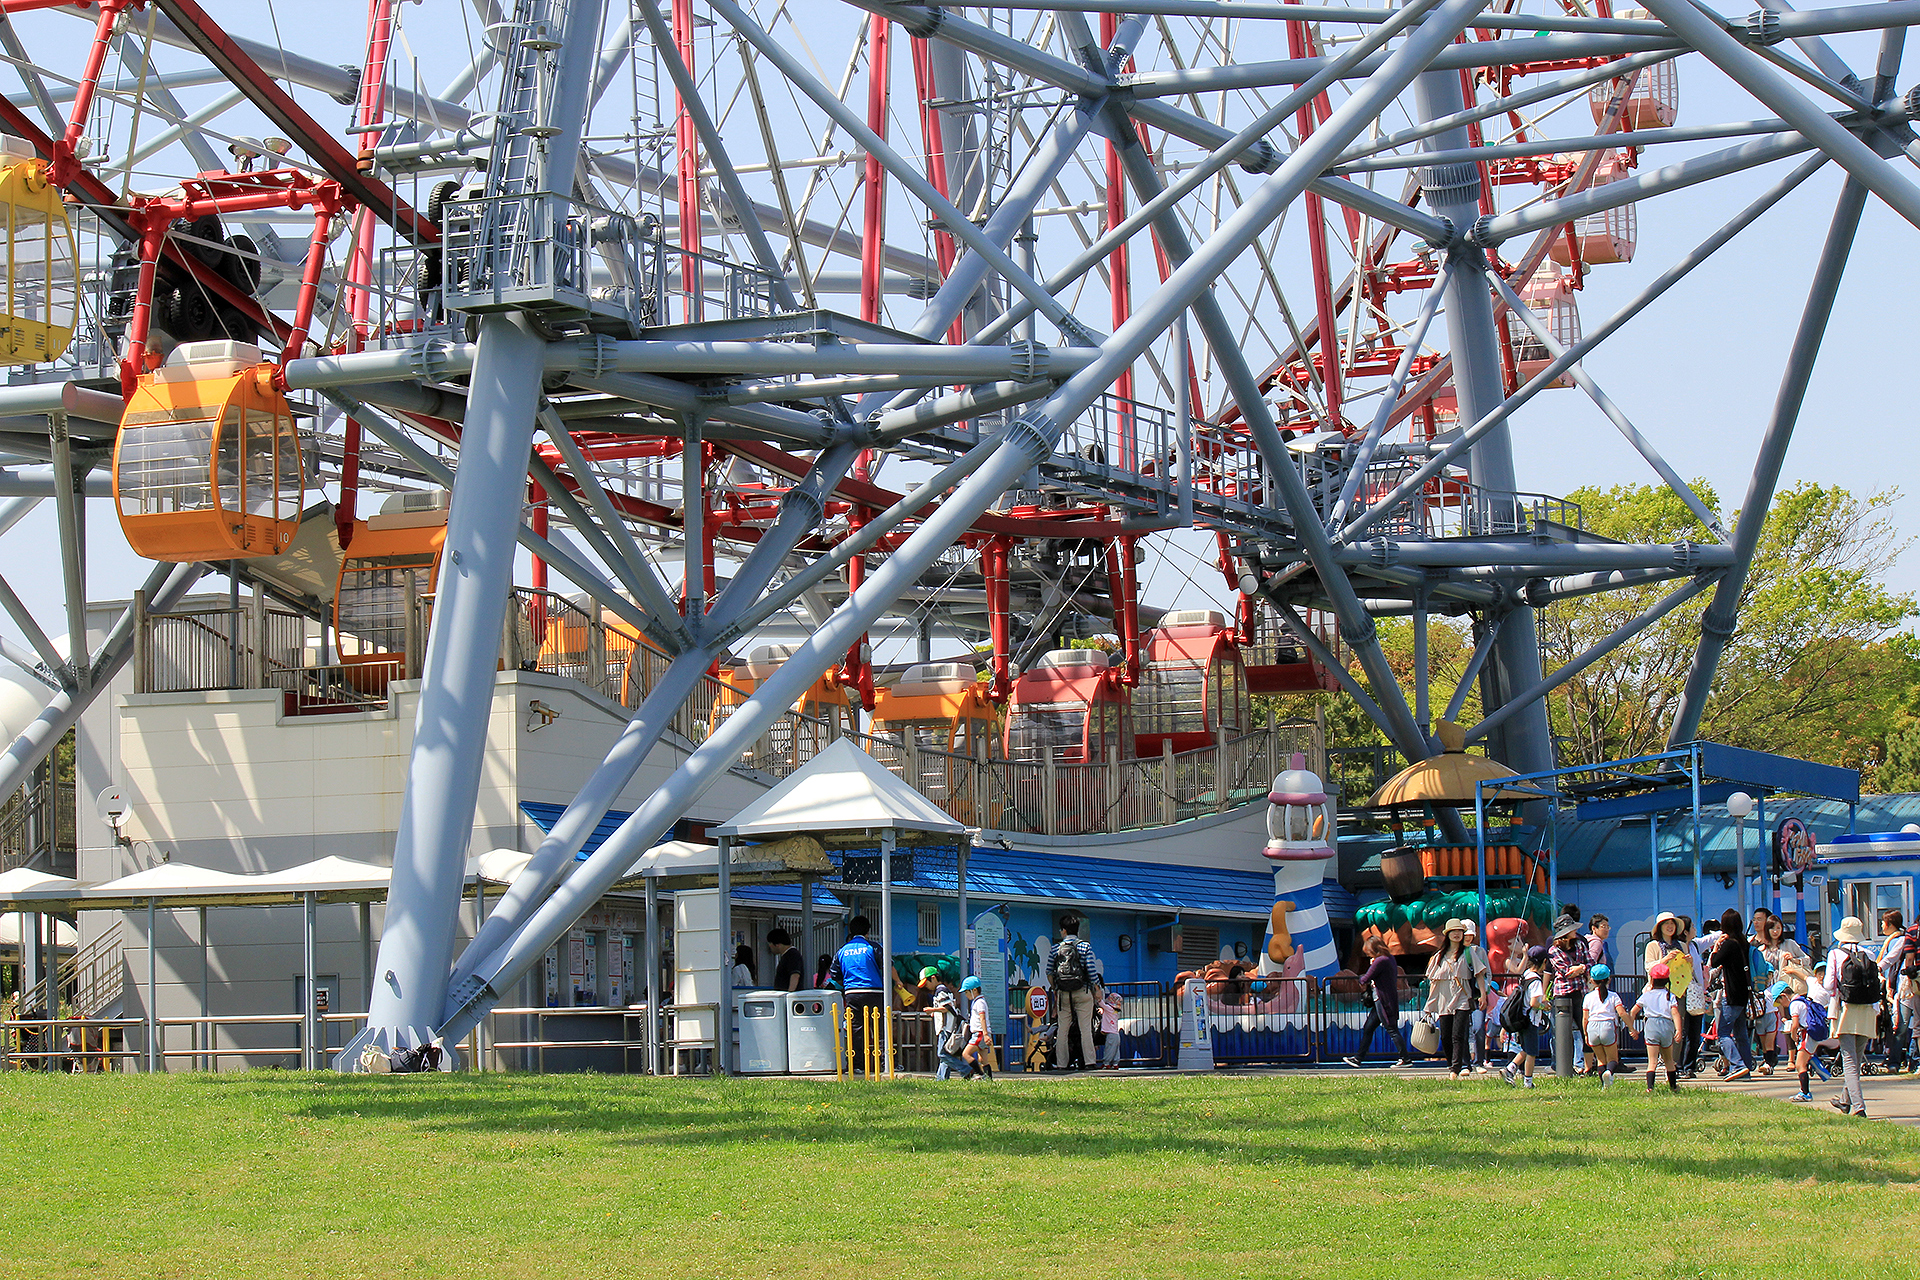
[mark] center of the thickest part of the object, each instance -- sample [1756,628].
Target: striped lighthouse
[1298,846]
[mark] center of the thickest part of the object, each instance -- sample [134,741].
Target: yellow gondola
[208,464]
[39,303]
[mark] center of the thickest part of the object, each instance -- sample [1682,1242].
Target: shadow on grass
[1343,1126]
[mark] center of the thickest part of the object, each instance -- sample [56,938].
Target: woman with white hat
[1450,978]
[1854,1015]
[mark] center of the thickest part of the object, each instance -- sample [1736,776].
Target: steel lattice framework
[1075,272]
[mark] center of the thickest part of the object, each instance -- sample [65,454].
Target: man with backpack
[1073,975]
[1854,1015]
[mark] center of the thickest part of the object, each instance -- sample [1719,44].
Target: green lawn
[272,1174]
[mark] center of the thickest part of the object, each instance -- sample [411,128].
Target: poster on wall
[989,961]
[1793,847]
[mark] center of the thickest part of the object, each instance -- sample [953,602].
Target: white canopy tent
[843,796]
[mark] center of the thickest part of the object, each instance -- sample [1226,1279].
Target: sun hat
[1851,930]
[1600,973]
[1659,973]
[1565,928]
[1662,918]
[971,984]
[1473,930]
[929,972]
[1777,990]
[1454,926]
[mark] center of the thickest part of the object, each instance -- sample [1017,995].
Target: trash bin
[811,1016]
[760,1031]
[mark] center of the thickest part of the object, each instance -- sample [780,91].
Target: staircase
[92,982]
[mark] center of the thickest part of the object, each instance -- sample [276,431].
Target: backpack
[1859,979]
[1910,957]
[1814,1018]
[1070,967]
[1513,1015]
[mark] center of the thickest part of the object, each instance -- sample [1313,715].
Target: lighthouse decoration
[1299,940]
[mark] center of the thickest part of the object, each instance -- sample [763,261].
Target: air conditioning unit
[1067,659]
[1194,618]
[927,679]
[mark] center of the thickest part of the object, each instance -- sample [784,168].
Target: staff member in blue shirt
[855,972]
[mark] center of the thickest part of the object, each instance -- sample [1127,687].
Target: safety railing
[254,647]
[1450,507]
[37,824]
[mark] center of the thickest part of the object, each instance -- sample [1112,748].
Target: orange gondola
[208,464]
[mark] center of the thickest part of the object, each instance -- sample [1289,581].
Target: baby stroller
[1043,1046]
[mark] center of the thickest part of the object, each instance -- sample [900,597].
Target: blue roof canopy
[1723,771]
[1017,873]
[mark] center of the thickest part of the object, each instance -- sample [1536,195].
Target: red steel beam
[265,93]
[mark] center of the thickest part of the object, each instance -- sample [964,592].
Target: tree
[1820,666]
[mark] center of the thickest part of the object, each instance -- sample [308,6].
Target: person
[1073,975]
[1483,998]
[1804,1024]
[1529,1017]
[1601,1014]
[1382,982]
[947,1022]
[745,967]
[1655,1013]
[1694,1000]
[1732,961]
[1893,961]
[1569,959]
[1111,1005]
[855,971]
[1450,999]
[1600,943]
[820,972]
[787,966]
[978,1053]
[1782,956]
[1854,1014]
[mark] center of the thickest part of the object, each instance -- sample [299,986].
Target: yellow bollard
[837,1076]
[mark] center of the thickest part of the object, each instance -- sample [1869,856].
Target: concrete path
[1895,1098]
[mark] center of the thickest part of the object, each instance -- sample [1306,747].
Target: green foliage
[1821,665]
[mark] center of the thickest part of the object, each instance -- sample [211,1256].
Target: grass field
[270,1174]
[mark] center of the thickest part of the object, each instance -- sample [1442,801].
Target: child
[978,1054]
[1110,1006]
[1529,1016]
[1600,1018]
[1805,1023]
[1658,1015]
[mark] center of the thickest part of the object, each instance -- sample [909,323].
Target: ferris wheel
[874,320]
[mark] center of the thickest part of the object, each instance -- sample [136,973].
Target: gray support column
[366,955]
[1453,192]
[806,929]
[960,877]
[799,514]
[204,1037]
[456,697]
[653,959]
[310,1056]
[1723,611]
[723,1021]
[153,988]
[887,839]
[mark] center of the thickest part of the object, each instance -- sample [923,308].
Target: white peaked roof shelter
[840,790]
[843,796]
